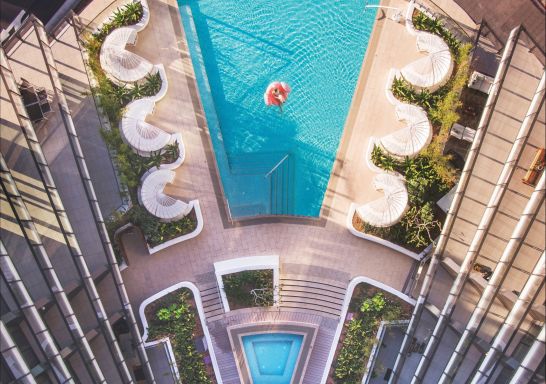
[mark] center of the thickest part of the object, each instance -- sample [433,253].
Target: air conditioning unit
[480,82]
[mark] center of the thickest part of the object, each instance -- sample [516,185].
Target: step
[210,285]
[210,299]
[312,295]
[312,290]
[313,307]
[313,284]
[310,300]
[210,314]
[213,307]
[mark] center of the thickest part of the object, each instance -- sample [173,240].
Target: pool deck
[322,249]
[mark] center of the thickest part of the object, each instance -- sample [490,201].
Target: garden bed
[431,174]
[249,288]
[369,306]
[113,98]
[422,222]
[175,316]
[444,105]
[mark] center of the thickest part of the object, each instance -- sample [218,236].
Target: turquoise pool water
[272,357]
[274,163]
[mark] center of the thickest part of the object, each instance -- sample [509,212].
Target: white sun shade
[389,209]
[156,202]
[411,139]
[118,62]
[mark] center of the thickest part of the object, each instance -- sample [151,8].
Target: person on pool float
[276,94]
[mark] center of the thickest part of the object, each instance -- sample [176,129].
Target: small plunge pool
[272,357]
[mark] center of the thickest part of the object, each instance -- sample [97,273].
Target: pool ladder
[281,181]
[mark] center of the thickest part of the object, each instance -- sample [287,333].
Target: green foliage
[425,184]
[424,23]
[445,113]
[357,345]
[132,166]
[405,92]
[238,287]
[152,85]
[156,231]
[360,337]
[172,312]
[442,104]
[129,14]
[420,225]
[178,322]
[373,306]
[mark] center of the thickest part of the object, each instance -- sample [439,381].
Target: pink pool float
[276,93]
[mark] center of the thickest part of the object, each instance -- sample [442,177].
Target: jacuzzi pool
[272,357]
[274,163]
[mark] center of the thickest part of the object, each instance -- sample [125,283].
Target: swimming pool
[274,163]
[272,357]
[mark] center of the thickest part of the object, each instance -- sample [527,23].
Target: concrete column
[482,231]
[531,361]
[454,208]
[93,203]
[69,236]
[26,305]
[13,358]
[34,240]
[68,233]
[512,322]
[499,275]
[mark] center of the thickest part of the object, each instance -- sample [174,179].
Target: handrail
[277,165]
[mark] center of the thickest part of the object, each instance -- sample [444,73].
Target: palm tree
[136,92]
[172,151]
[152,85]
[132,12]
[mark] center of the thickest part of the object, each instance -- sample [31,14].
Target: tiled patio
[327,243]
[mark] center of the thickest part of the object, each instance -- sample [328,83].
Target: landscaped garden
[431,174]
[369,306]
[422,222]
[249,288]
[175,316]
[113,98]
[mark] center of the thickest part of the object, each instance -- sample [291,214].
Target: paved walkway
[317,249]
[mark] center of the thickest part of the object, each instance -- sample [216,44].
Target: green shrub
[132,166]
[249,288]
[113,98]
[129,14]
[374,305]
[425,185]
[156,231]
[360,336]
[178,322]
[442,104]
[424,23]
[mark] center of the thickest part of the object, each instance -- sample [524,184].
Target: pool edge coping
[270,327]
[324,215]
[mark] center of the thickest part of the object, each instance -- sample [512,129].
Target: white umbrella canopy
[143,137]
[410,140]
[158,203]
[389,209]
[433,69]
[119,63]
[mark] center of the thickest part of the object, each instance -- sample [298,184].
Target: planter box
[186,237]
[378,240]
